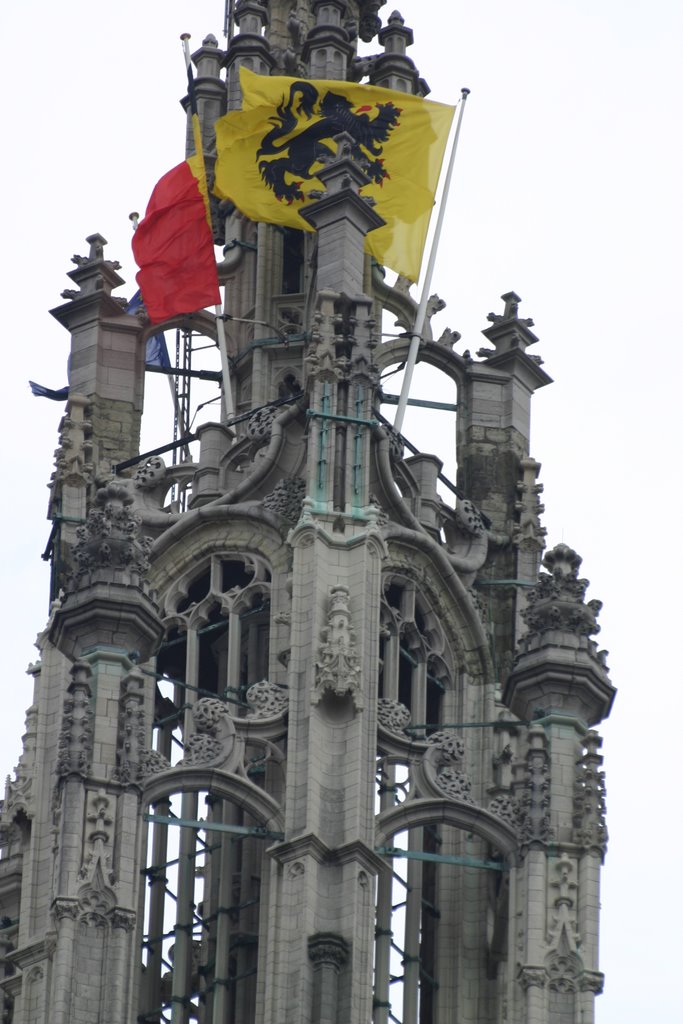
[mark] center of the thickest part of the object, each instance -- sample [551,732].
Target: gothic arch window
[182,390]
[217,630]
[202,909]
[433,919]
[431,414]
[208,821]
[414,659]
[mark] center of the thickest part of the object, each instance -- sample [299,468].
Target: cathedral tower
[310,743]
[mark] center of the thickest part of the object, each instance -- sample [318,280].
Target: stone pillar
[328,953]
[393,69]
[326,865]
[107,363]
[249,49]
[342,220]
[327,49]
[105,617]
[560,679]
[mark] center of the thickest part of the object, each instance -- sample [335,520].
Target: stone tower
[309,743]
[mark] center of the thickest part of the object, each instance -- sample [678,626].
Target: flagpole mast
[420,317]
[228,408]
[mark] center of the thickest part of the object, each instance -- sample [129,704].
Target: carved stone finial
[557,601]
[97,243]
[558,667]
[508,332]
[369,24]
[511,310]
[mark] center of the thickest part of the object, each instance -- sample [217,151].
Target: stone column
[560,679]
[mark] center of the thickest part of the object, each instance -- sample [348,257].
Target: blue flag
[42,392]
[157,352]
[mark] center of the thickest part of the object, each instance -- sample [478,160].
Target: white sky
[567,190]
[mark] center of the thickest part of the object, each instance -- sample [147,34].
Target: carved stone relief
[98,847]
[266,700]
[151,763]
[19,791]
[213,743]
[443,764]
[590,829]
[534,799]
[109,538]
[337,670]
[563,930]
[75,740]
[132,732]
[286,498]
[393,715]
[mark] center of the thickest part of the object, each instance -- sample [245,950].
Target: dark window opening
[292,261]
[380,680]
[234,573]
[434,697]
[405,679]
[197,591]
[172,655]
[213,651]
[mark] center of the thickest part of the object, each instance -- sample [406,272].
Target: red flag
[173,246]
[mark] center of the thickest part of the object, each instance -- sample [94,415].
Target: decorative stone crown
[110,538]
[558,668]
[557,600]
[108,600]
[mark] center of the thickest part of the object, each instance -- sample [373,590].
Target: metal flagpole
[228,408]
[416,335]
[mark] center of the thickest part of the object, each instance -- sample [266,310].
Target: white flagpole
[228,408]
[422,308]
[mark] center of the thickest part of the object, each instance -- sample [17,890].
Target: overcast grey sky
[567,190]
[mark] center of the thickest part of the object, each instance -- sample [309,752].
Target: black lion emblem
[279,156]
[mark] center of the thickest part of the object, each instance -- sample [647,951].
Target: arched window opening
[214,639]
[219,629]
[201,914]
[196,592]
[432,912]
[414,660]
[182,391]
[430,414]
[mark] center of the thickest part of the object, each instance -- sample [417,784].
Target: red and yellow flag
[270,151]
[173,245]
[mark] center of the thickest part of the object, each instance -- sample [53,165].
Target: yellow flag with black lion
[270,152]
